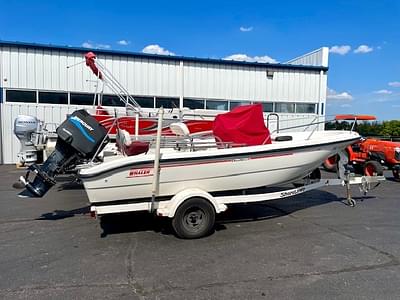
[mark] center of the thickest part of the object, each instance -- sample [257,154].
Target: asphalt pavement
[310,246]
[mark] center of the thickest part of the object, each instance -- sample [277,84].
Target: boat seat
[179,129]
[129,147]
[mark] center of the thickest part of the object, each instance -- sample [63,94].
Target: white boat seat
[123,137]
[179,129]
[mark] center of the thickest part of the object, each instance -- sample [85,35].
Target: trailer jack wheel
[351,202]
[194,218]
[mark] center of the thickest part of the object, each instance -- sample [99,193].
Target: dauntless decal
[81,125]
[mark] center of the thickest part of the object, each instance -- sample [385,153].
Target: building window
[146,102]
[53,98]
[21,96]
[217,104]
[193,103]
[234,103]
[284,107]
[81,99]
[267,106]
[112,100]
[305,108]
[167,102]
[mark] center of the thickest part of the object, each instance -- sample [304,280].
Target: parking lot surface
[311,246]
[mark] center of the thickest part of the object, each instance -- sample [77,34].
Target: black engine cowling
[80,136]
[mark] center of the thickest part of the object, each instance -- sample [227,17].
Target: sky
[363,37]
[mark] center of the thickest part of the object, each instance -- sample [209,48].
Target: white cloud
[123,42]
[89,44]
[342,50]
[394,83]
[346,105]
[246,29]
[383,92]
[333,95]
[156,49]
[245,57]
[363,49]
[103,46]
[383,100]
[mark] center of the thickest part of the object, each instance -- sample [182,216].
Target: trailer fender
[170,208]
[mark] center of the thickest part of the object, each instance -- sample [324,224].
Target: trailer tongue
[79,137]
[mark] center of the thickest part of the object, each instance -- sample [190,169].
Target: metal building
[35,80]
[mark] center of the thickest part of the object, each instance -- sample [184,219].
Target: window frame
[53,92]
[216,101]
[21,91]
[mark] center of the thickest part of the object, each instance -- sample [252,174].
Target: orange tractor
[368,156]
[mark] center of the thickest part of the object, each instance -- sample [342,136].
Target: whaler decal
[140,172]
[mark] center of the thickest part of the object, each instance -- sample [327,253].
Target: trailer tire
[194,218]
[372,167]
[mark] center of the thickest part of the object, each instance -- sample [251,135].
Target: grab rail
[277,121]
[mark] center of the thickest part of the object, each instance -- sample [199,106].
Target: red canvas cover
[243,125]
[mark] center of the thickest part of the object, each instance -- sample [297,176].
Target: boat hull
[209,173]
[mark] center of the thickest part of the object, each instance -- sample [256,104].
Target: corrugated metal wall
[246,83]
[317,57]
[47,70]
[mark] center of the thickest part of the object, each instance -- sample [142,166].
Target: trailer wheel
[330,163]
[194,218]
[373,168]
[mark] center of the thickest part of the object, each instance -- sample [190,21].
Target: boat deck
[311,246]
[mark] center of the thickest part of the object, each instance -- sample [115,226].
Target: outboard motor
[24,128]
[79,137]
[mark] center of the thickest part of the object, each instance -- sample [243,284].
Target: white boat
[130,178]
[245,156]
[181,181]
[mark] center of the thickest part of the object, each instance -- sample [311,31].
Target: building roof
[161,57]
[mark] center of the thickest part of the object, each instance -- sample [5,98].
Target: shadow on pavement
[63,214]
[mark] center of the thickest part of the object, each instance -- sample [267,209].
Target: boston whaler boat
[179,181]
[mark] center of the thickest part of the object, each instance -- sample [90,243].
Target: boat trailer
[193,210]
